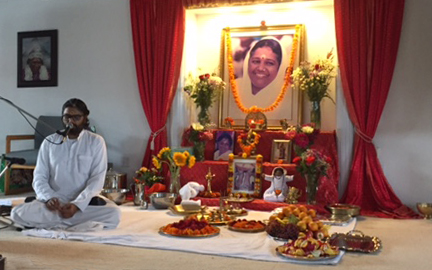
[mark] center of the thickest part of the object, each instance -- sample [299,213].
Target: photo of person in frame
[224,145]
[36,59]
[244,177]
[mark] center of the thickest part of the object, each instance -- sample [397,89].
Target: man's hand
[53,204]
[68,210]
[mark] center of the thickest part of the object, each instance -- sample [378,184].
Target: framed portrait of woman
[224,144]
[258,63]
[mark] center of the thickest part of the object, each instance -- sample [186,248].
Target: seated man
[68,178]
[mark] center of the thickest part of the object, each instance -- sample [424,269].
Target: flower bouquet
[314,79]
[174,161]
[312,164]
[204,91]
[198,136]
[148,177]
[302,136]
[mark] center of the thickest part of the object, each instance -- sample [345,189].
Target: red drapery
[368,33]
[158,28]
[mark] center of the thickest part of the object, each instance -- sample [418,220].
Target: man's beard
[76,130]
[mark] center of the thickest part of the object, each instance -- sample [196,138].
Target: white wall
[96,64]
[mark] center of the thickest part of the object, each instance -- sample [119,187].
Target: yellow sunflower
[186,153]
[191,161]
[156,163]
[143,169]
[162,151]
[180,159]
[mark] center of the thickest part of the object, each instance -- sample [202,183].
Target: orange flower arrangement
[285,86]
[248,142]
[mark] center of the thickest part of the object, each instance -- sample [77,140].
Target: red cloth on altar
[325,142]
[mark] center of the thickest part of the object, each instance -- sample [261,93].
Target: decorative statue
[209,177]
[278,189]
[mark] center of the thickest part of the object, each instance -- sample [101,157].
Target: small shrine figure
[278,189]
[209,177]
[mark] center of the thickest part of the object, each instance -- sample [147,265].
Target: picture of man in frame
[36,59]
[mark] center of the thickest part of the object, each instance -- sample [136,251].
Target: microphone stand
[29,114]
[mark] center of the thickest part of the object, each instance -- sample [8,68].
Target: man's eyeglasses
[74,117]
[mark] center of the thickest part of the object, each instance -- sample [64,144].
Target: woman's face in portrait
[263,67]
[224,145]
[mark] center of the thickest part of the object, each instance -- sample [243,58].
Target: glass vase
[204,116]
[174,186]
[315,114]
[198,149]
[311,188]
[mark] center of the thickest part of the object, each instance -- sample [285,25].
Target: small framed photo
[281,150]
[224,144]
[244,172]
[37,58]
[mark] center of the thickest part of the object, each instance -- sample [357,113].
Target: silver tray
[355,241]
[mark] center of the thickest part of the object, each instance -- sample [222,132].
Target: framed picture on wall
[257,63]
[37,58]
[281,150]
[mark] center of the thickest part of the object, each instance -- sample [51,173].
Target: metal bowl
[116,195]
[425,209]
[340,209]
[162,200]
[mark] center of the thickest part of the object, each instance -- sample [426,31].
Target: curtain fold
[368,33]
[158,28]
[191,4]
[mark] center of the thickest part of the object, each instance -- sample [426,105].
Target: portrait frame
[290,107]
[285,155]
[254,188]
[44,46]
[218,135]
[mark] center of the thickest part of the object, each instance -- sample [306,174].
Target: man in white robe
[68,179]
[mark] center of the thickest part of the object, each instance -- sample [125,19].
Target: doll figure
[278,189]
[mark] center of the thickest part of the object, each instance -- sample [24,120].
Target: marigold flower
[179,159]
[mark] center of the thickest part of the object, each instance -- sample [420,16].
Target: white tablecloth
[139,228]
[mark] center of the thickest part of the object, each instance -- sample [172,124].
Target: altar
[325,142]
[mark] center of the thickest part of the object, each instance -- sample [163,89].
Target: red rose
[297,160]
[290,134]
[317,67]
[207,76]
[201,77]
[310,160]
[301,140]
[328,159]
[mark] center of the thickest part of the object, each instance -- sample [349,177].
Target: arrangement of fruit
[294,219]
[247,225]
[308,247]
[190,227]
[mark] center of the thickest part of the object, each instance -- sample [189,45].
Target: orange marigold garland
[248,142]
[284,86]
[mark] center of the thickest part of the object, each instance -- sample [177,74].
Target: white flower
[197,126]
[307,129]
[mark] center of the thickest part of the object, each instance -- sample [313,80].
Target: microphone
[65,132]
[13,160]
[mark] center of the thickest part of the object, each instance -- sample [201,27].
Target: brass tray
[189,236]
[355,241]
[238,200]
[207,217]
[279,251]
[179,210]
[246,230]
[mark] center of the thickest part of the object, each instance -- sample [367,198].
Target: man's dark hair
[78,104]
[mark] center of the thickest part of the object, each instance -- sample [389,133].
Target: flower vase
[198,149]
[174,186]
[204,116]
[315,114]
[311,188]
[139,193]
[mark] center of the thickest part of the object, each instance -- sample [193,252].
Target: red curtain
[158,28]
[368,33]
